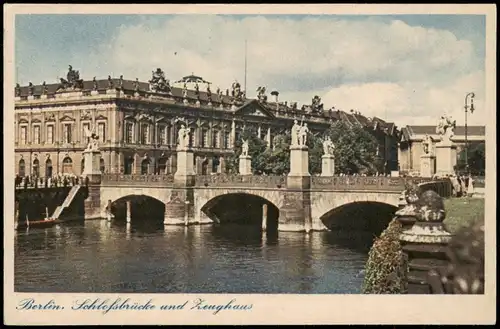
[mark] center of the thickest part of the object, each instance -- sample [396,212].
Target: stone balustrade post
[424,244]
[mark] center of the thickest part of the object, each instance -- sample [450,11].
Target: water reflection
[101,256]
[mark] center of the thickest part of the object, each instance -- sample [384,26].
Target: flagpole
[245,85]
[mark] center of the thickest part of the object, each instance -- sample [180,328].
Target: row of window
[164,136]
[67,136]
[67,167]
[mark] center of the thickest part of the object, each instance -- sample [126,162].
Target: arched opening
[145,166]
[128,165]
[48,168]
[242,209]
[144,211]
[162,165]
[356,224]
[215,164]
[102,166]
[67,167]
[22,168]
[36,168]
[204,166]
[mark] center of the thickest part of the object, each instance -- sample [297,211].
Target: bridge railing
[137,180]
[243,181]
[364,183]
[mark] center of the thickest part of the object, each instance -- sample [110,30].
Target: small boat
[47,222]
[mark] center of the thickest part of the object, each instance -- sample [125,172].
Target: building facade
[411,149]
[137,123]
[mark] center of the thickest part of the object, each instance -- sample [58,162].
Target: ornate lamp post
[467,109]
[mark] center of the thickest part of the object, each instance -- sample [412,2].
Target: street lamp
[471,109]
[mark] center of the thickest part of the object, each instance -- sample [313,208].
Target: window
[24,134]
[216,139]
[145,167]
[102,165]
[227,137]
[67,167]
[144,134]
[36,168]
[101,131]
[67,133]
[204,138]
[22,168]
[191,137]
[36,134]
[85,127]
[169,132]
[161,135]
[50,134]
[129,132]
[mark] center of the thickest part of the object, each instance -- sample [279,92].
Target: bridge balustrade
[243,181]
[137,180]
[365,183]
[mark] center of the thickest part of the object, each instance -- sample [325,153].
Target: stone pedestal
[446,158]
[92,175]
[185,167]
[327,165]
[427,165]
[245,165]
[179,209]
[425,243]
[295,214]
[299,161]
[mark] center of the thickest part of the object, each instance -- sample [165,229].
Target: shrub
[386,266]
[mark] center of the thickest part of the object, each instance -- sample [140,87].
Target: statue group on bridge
[427,144]
[244,147]
[445,128]
[92,139]
[328,146]
[299,133]
[183,137]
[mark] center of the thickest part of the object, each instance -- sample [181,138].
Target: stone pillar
[446,158]
[427,164]
[92,175]
[424,244]
[264,217]
[179,208]
[295,214]
[245,164]
[129,211]
[327,165]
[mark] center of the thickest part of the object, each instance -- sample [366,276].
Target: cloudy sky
[408,69]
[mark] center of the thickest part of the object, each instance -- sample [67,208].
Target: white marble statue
[328,146]
[303,134]
[183,137]
[92,139]
[295,133]
[445,128]
[427,144]
[244,147]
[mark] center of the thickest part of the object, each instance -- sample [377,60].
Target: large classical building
[137,123]
[411,148]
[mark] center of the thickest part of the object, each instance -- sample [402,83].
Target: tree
[256,149]
[355,149]
[476,158]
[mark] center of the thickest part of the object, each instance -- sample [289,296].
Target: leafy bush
[386,266]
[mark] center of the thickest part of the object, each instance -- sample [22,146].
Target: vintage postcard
[249,164]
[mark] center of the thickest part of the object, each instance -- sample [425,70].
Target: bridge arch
[228,205]
[142,207]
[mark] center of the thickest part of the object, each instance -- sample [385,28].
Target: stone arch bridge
[301,207]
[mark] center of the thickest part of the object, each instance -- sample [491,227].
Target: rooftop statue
[159,83]
[316,105]
[236,90]
[136,84]
[31,89]
[110,82]
[44,88]
[72,81]
[17,90]
[261,94]
[94,86]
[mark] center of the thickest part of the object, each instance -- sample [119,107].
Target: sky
[407,69]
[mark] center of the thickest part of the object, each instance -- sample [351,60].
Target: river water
[102,257]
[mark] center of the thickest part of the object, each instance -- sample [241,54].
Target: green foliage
[355,149]
[476,158]
[386,266]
